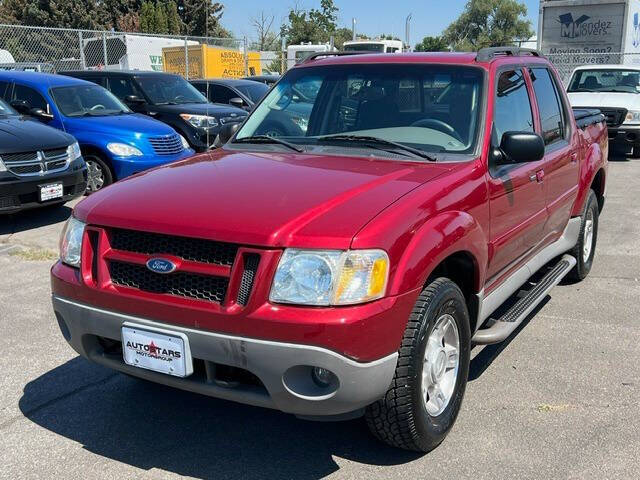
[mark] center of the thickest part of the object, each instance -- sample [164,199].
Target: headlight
[185,144]
[330,277]
[73,151]
[633,116]
[123,150]
[2,167]
[71,242]
[199,121]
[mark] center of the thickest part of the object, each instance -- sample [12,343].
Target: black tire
[635,151]
[583,265]
[401,418]
[96,165]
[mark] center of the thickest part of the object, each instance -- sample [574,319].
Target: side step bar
[504,326]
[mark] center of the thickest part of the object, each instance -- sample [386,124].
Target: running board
[504,326]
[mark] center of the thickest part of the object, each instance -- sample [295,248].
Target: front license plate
[50,191]
[158,350]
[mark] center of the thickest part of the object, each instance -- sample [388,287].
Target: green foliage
[488,23]
[202,17]
[174,22]
[432,44]
[315,26]
[89,14]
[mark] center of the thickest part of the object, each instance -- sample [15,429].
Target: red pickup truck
[340,254]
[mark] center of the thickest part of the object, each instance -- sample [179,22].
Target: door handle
[574,157]
[533,177]
[540,176]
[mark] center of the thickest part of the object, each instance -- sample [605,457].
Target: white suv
[615,90]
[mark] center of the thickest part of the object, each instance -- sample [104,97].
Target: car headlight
[123,150]
[330,277]
[633,117]
[185,144]
[199,121]
[2,167]
[73,151]
[71,242]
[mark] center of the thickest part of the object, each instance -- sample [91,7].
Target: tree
[432,44]
[202,18]
[147,17]
[266,38]
[160,19]
[315,26]
[87,14]
[174,22]
[488,23]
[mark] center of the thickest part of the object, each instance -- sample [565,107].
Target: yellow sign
[210,62]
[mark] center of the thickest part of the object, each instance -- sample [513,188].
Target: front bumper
[283,369]
[625,135]
[127,166]
[21,193]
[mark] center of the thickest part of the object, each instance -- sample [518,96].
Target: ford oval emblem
[160,265]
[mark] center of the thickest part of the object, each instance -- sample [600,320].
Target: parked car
[114,141]
[39,165]
[236,92]
[347,269]
[170,99]
[615,91]
[266,79]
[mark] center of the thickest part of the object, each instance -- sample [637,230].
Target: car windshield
[87,100]
[6,110]
[254,92]
[364,47]
[432,108]
[169,90]
[605,80]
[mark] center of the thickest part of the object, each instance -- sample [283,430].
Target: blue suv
[115,142]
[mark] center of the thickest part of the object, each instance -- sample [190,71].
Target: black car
[268,80]
[39,165]
[233,91]
[170,99]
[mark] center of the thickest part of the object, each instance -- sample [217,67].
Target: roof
[137,73]
[38,79]
[234,82]
[609,67]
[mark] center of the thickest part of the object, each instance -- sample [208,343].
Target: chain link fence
[565,63]
[58,49]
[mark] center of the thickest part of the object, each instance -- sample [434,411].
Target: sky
[373,17]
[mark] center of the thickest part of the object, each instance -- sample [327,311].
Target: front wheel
[98,173]
[426,393]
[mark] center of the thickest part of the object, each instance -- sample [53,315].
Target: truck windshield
[6,110]
[432,108]
[169,90]
[605,80]
[364,47]
[87,100]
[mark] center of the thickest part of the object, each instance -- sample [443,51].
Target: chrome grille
[169,145]
[26,164]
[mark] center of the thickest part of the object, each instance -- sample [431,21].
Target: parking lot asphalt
[559,399]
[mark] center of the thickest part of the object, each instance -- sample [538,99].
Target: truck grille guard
[220,275]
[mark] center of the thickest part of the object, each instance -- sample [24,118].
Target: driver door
[517,197]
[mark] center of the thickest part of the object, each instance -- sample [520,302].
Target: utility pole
[407,37]
[353,29]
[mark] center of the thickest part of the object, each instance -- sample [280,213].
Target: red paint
[419,213]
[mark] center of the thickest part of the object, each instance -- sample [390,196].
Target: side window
[202,88]
[122,87]
[549,105]
[512,110]
[32,97]
[221,94]
[3,89]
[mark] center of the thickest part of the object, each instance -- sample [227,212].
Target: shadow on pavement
[151,426]
[39,217]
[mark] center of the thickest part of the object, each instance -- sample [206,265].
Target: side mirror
[21,106]
[134,99]
[226,132]
[40,114]
[521,147]
[236,102]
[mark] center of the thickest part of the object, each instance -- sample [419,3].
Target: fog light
[321,376]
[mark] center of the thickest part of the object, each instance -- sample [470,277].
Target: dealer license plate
[50,191]
[158,350]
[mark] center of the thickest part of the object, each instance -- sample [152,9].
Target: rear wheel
[635,151]
[585,249]
[98,173]
[426,393]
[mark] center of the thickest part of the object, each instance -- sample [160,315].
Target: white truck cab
[615,90]
[380,46]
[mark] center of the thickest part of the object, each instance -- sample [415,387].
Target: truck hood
[262,199]
[630,101]
[18,134]
[121,125]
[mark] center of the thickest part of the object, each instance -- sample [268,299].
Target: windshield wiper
[268,139]
[377,142]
